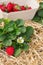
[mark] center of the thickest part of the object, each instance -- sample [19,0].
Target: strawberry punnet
[10,50]
[10,7]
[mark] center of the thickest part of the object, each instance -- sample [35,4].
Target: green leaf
[18,32]
[36,18]
[28,40]
[2,37]
[10,26]
[41,21]
[1,31]
[22,29]
[25,47]
[2,27]
[19,22]
[29,32]
[17,52]
[6,20]
[41,5]
[16,45]
[40,13]
[7,42]
[1,20]
[12,35]
[1,45]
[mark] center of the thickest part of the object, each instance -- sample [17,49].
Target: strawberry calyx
[16,8]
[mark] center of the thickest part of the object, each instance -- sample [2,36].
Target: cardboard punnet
[26,14]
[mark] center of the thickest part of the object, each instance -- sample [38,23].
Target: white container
[26,14]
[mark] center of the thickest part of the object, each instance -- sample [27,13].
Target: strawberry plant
[14,36]
[39,14]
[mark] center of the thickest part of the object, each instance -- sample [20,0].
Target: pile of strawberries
[12,7]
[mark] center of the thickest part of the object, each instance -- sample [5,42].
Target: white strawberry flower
[20,40]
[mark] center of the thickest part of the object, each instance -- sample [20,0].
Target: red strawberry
[29,8]
[15,10]
[10,7]
[3,8]
[15,4]
[10,50]
[22,8]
